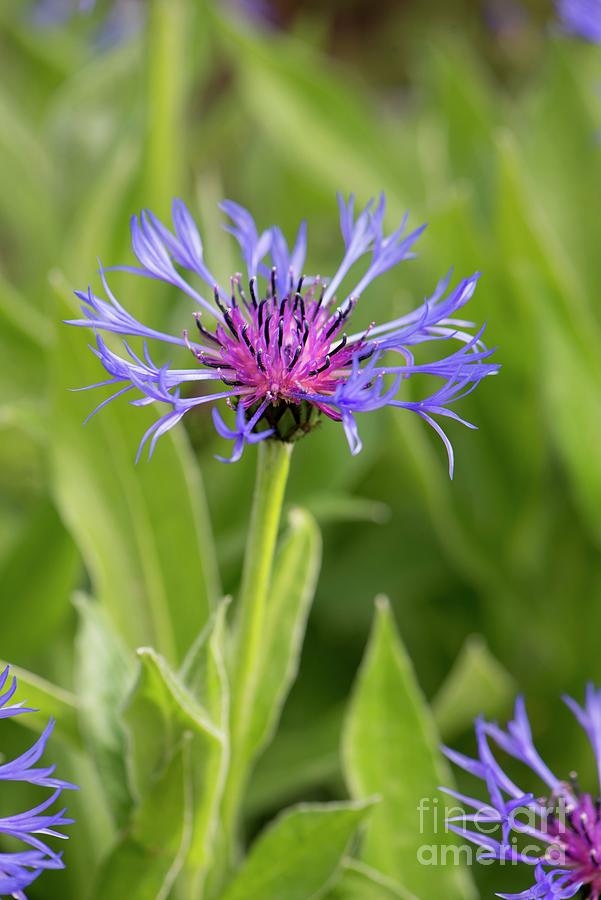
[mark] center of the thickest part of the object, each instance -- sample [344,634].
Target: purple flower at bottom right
[556,833]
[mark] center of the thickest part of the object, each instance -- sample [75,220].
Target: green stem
[273,464]
[272,473]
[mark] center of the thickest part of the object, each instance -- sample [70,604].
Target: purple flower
[581,18]
[261,13]
[20,867]
[274,345]
[559,834]
[122,20]
[55,12]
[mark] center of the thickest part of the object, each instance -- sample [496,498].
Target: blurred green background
[481,120]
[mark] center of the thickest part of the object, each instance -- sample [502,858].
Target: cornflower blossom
[559,834]
[19,868]
[260,12]
[122,20]
[581,18]
[274,345]
[55,12]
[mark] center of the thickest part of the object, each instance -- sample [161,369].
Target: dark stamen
[205,333]
[344,313]
[241,293]
[260,360]
[300,284]
[212,364]
[261,311]
[253,296]
[340,345]
[233,291]
[246,338]
[283,306]
[280,334]
[295,358]
[369,352]
[325,366]
[335,324]
[266,330]
[299,299]
[319,302]
[274,273]
[229,322]
[218,299]
[341,315]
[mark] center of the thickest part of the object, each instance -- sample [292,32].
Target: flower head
[558,834]
[55,12]
[275,345]
[581,18]
[19,868]
[122,19]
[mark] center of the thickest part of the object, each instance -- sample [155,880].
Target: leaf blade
[389,747]
[298,853]
[291,593]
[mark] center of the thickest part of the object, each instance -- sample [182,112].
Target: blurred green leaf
[26,176]
[546,279]
[299,760]
[297,855]
[477,684]
[291,593]
[204,674]
[47,699]
[98,223]
[168,38]
[25,334]
[333,508]
[530,239]
[41,601]
[558,133]
[159,710]
[572,391]
[103,677]
[465,107]
[304,94]
[148,859]
[165,706]
[361,882]
[390,748]
[143,530]
[93,123]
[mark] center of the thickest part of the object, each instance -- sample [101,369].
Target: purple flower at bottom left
[20,867]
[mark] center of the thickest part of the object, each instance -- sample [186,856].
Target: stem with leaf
[272,473]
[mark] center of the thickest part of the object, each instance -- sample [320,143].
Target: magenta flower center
[577,834]
[279,348]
